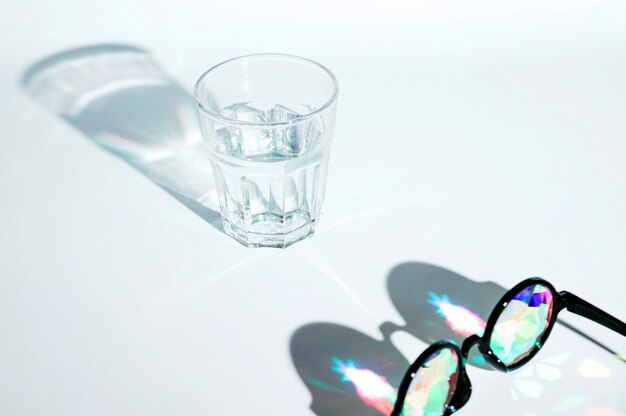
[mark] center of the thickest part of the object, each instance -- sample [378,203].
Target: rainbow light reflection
[460,319]
[373,389]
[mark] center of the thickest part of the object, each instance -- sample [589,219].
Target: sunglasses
[437,383]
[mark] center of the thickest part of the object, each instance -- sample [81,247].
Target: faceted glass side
[521,324]
[270,177]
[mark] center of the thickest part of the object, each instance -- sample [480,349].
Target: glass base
[271,231]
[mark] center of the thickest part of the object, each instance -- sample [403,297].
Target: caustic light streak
[460,319]
[373,389]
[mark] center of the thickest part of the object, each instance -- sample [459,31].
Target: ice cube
[244,112]
[295,140]
[245,141]
[279,140]
[280,113]
[286,138]
[229,140]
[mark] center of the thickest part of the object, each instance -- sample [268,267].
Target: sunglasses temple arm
[583,308]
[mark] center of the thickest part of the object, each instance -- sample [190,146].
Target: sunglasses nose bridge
[389,328]
[468,344]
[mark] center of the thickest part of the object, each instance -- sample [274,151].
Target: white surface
[484,137]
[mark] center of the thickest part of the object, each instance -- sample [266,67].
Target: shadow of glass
[120,98]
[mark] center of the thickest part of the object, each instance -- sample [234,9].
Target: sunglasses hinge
[566,301]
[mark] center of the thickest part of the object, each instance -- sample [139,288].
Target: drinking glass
[267,122]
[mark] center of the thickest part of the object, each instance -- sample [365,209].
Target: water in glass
[271,177]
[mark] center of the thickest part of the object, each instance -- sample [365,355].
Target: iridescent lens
[433,385]
[522,322]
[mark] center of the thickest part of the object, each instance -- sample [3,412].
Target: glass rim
[300,119]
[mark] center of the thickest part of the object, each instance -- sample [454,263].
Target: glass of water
[267,121]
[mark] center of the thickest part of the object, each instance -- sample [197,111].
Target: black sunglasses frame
[463,390]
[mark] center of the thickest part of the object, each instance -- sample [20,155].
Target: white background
[485,137]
